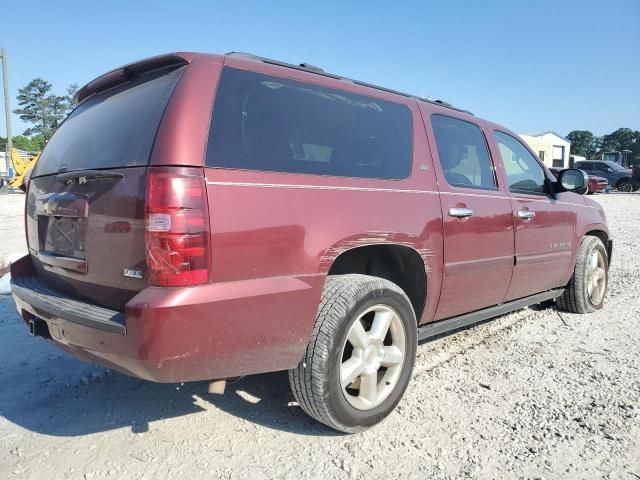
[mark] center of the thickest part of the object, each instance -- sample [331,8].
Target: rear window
[262,122]
[110,130]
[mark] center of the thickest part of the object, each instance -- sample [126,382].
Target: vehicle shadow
[46,391]
[116,401]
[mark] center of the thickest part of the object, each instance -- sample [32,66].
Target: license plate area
[62,236]
[62,226]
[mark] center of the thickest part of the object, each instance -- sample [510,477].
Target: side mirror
[573,180]
[610,170]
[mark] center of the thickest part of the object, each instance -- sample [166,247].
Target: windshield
[614,165]
[110,130]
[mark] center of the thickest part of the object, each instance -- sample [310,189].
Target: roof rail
[307,67]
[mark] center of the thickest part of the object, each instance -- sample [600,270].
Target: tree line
[586,144]
[42,109]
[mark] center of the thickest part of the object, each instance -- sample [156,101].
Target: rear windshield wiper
[83,176]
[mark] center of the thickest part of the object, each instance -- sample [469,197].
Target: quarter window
[463,153]
[262,122]
[524,173]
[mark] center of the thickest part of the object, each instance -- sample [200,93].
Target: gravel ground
[534,394]
[12,240]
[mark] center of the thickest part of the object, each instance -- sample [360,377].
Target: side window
[524,173]
[266,123]
[463,153]
[603,167]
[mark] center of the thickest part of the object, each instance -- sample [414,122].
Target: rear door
[544,226]
[85,206]
[586,166]
[477,218]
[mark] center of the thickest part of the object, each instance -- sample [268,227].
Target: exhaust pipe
[217,386]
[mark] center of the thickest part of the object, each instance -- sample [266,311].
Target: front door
[544,225]
[477,219]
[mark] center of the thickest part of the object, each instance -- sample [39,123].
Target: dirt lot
[535,394]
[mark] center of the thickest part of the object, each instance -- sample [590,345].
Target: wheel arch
[399,264]
[603,235]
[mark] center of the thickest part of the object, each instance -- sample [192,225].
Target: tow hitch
[39,328]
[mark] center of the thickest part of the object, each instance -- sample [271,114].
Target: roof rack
[307,67]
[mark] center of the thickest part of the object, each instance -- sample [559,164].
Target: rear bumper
[31,291]
[180,334]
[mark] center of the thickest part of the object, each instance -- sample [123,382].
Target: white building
[553,149]
[3,163]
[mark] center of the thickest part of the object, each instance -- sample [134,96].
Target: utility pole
[7,109]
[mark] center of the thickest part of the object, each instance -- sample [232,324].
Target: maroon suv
[201,217]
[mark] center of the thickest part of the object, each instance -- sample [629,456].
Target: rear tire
[353,374]
[587,288]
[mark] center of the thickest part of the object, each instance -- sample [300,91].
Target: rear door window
[113,129]
[268,123]
[463,153]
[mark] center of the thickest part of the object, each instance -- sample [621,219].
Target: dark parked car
[596,184]
[201,217]
[624,179]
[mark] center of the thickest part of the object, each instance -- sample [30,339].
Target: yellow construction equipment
[22,167]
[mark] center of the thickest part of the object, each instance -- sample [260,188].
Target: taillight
[177,240]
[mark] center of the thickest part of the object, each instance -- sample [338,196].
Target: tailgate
[88,239]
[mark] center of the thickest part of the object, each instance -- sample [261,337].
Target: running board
[441,327]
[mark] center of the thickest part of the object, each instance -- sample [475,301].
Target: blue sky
[531,65]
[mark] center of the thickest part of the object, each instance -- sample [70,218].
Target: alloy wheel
[596,281]
[625,187]
[372,357]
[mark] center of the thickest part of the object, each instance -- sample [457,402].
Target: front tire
[360,357]
[624,186]
[588,286]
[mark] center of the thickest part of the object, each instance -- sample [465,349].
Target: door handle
[460,212]
[526,214]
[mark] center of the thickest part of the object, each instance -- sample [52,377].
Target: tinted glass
[463,153]
[262,122]
[110,130]
[584,165]
[614,166]
[524,173]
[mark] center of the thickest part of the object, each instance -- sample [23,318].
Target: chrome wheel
[372,357]
[596,281]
